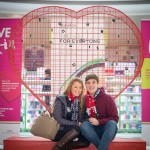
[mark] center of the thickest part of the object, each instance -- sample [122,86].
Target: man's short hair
[48,71]
[92,76]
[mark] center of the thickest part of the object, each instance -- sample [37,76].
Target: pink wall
[10,88]
[145,29]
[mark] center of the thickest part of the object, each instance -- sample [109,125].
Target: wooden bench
[38,143]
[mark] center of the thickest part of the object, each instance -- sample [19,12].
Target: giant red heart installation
[98,39]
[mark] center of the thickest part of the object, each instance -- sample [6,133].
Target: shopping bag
[45,126]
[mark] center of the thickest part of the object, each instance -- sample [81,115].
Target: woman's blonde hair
[72,81]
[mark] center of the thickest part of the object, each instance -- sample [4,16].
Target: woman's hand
[45,113]
[94,121]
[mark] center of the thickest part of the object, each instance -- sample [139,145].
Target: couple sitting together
[84,119]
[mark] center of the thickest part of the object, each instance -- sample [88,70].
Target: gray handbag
[45,126]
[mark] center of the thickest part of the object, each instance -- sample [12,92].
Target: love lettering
[4,33]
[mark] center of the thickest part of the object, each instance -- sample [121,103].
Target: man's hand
[80,124]
[94,121]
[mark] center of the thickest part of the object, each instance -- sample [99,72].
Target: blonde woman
[67,113]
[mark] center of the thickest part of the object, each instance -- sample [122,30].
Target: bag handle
[47,107]
[43,104]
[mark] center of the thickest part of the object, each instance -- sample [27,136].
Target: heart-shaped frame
[97,39]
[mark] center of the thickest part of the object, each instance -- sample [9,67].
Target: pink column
[145,29]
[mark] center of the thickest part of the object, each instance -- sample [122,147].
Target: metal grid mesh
[99,39]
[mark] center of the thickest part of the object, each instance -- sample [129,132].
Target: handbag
[45,126]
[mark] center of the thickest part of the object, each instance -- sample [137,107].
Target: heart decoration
[97,39]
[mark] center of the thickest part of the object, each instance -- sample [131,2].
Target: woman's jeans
[101,135]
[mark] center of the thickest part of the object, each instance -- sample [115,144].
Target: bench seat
[39,143]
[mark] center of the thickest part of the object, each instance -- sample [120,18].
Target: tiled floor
[122,135]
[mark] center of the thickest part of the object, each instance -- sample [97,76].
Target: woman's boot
[77,145]
[67,138]
[81,143]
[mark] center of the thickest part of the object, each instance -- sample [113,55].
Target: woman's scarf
[74,106]
[90,104]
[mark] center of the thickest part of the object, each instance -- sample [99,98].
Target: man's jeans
[100,135]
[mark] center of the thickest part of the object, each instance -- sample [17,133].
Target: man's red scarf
[90,104]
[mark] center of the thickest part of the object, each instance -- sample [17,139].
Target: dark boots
[81,143]
[67,138]
[77,144]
